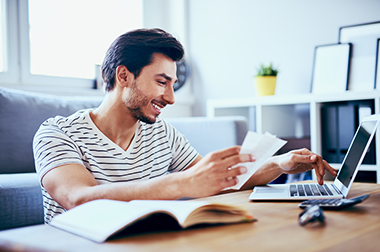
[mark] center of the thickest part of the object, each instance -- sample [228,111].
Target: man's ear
[123,77]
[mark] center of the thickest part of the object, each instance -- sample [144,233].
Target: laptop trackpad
[270,190]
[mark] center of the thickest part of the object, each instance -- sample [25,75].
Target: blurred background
[55,46]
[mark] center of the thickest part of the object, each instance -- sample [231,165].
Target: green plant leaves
[267,70]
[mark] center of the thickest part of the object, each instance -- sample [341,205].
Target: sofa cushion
[210,134]
[21,113]
[20,200]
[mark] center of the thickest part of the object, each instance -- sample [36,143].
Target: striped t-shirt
[156,149]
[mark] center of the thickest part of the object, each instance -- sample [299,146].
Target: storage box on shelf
[301,120]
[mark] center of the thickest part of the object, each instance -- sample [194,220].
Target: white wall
[171,15]
[228,39]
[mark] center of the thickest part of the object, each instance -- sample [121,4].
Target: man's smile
[157,107]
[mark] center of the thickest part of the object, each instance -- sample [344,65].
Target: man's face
[152,90]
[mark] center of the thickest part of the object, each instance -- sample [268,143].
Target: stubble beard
[135,104]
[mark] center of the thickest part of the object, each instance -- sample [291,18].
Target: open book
[98,220]
[262,146]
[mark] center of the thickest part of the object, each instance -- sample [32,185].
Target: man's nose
[169,95]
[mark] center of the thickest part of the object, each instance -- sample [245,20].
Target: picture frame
[330,68]
[363,38]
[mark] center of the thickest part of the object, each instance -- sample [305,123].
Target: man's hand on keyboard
[302,160]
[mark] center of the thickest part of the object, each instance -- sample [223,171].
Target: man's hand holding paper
[262,146]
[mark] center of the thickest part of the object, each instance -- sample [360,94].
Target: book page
[262,146]
[99,219]
[180,209]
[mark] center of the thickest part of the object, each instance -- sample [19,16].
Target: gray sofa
[21,113]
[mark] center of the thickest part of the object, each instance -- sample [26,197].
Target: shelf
[291,99]
[295,116]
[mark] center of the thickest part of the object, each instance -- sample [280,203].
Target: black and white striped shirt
[156,149]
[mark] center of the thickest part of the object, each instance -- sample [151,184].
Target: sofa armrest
[20,200]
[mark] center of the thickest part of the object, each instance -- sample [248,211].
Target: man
[123,151]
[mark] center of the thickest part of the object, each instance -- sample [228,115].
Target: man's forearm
[72,185]
[268,172]
[166,187]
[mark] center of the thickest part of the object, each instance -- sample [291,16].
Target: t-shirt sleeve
[53,148]
[182,151]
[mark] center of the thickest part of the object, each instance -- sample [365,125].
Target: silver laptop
[342,183]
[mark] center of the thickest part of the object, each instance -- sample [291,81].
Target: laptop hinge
[337,190]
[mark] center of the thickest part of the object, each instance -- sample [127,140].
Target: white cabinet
[297,118]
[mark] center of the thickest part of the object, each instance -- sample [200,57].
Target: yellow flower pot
[265,85]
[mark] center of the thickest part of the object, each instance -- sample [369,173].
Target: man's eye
[162,82]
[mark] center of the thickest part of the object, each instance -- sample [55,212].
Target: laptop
[343,181]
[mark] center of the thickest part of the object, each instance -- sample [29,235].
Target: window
[60,42]
[68,37]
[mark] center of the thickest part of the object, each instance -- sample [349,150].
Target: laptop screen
[354,154]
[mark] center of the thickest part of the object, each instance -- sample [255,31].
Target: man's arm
[71,185]
[293,162]
[196,160]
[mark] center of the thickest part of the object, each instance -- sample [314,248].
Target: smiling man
[122,150]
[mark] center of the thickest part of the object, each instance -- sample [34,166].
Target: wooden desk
[277,229]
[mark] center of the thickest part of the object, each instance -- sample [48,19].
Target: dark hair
[134,50]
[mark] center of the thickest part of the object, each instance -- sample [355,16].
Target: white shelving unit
[293,116]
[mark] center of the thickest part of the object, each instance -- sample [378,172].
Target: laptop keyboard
[310,190]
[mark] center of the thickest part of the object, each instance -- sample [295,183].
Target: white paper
[262,146]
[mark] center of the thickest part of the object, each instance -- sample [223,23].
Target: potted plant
[266,80]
